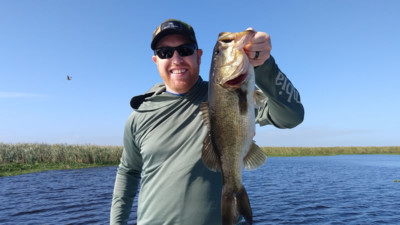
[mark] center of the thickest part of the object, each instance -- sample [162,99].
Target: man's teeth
[179,71]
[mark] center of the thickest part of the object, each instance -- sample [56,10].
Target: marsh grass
[26,158]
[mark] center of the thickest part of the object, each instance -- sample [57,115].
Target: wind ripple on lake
[326,190]
[352,189]
[58,197]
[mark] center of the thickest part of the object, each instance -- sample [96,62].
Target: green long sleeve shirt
[163,139]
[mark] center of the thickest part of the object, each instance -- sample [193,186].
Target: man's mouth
[178,71]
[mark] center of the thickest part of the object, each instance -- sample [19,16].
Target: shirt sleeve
[127,178]
[283,108]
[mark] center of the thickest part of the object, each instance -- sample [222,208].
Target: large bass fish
[230,117]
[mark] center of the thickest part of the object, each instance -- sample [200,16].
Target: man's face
[179,73]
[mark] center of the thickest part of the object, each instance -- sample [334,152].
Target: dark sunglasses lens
[168,52]
[165,52]
[185,50]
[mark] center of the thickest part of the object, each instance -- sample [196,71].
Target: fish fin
[254,158]
[243,204]
[210,158]
[260,99]
[205,113]
[208,154]
[235,204]
[229,209]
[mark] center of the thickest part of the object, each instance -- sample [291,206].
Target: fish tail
[235,204]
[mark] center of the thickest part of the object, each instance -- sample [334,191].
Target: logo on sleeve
[286,87]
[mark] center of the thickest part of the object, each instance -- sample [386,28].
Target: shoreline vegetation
[24,158]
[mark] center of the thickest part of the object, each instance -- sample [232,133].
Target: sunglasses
[168,52]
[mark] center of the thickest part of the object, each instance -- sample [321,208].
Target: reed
[24,157]
[327,151]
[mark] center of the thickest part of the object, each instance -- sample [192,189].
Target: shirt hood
[156,98]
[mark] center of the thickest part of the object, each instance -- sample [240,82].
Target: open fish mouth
[237,81]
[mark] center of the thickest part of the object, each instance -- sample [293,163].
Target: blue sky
[343,56]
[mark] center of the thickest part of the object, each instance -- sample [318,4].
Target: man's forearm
[284,108]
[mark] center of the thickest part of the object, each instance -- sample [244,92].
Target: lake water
[350,189]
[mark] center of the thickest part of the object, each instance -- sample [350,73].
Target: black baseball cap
[173,26]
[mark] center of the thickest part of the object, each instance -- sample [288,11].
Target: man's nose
[176,57]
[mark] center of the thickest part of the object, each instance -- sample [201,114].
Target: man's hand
[259,48]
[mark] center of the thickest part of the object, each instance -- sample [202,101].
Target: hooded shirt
[163,139]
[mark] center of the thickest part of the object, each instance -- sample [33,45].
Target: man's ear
[199,54]
[154,59]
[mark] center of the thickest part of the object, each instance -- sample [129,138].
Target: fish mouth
[237,81]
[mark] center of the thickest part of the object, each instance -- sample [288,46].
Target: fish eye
[227,40]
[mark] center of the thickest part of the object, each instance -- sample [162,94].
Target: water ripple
[295,190]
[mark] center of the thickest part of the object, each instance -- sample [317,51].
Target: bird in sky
[69,78]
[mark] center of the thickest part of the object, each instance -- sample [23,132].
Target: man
[164,135]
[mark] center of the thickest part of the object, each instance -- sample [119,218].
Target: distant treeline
[25,158]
